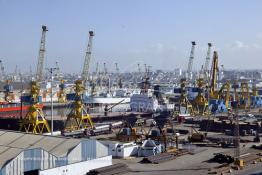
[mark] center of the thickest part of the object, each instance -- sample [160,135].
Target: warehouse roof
[13,143]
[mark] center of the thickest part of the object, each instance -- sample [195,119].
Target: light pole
[51,70]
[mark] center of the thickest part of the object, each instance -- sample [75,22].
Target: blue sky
[155,32]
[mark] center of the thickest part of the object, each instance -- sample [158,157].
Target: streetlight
[51,70]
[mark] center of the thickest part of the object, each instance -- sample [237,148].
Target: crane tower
[2,77]
[87,58]
[41,56]
[119,82]
[206,72]
[191,59]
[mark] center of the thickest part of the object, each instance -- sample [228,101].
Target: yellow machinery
[61,93]
[224,93]
[244,96]
[78,118]
[214,69]
[236,97]
[183,101]
[196,136]
[200,103]
[129,131]
[34,120]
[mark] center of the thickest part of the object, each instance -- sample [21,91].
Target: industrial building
[27,154]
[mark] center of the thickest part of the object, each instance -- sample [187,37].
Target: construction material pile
[163,157]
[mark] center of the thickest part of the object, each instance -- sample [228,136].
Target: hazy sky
[155,32]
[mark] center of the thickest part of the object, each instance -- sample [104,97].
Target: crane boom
[207,62]
[191,59]
[214,70]
[41,56]
[87,57]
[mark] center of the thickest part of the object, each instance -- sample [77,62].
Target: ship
[14,109]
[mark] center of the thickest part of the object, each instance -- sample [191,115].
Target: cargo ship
[14,109]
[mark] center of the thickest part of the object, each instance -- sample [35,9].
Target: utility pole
[51,71]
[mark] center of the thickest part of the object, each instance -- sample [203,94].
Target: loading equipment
[78,118]
[34,120]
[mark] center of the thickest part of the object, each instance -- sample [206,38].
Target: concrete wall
[80,168]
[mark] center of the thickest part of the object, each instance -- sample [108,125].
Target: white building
[22,154]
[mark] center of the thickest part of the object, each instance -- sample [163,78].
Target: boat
[14,109]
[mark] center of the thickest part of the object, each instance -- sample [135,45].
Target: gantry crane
[41,56]
[200,103]
[244,96]
[85,71]
[78,118]
[183,100]
[190,62]
[61,93]
[8,88]
[224,93]
[119,81]
[206,66]
[34,120]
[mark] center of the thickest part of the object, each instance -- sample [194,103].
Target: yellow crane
[200,103]
[213,83]
[34,120]
[61,93]
[224,93]
[244,96]
[183,100]
[78,118]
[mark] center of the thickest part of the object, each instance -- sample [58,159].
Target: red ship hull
[13,110]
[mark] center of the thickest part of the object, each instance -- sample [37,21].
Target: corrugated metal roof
[8,154]
[25,140]
[12,143]
[62,149]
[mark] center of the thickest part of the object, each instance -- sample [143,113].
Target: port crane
[244,96]
[190,62]
[41,56]
[206,71]
[34,121]
[200,103]
[78,118]
[85,71]
[213,81]
[184,104]
[8,88]
[119,82]
[61,93]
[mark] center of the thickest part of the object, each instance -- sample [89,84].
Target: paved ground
[186,165]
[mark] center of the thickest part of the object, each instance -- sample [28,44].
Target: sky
[153,32]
